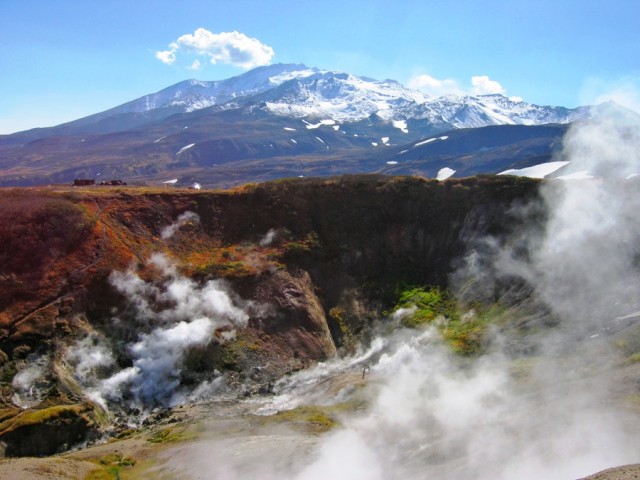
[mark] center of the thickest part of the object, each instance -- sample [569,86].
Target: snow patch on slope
[445,173]
[400,125]
[312,126]
[185,148]
[424,142]
[536,171]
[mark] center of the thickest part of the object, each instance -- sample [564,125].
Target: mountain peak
[290,90]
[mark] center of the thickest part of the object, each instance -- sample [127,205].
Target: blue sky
[64,59]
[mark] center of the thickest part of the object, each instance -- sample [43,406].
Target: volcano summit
[281,121]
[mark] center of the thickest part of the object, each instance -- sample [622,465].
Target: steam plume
[438,416]
[30,383]
[432,414]
[183,219]
[268,238]
[172,315]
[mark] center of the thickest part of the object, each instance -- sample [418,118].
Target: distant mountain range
[282,121]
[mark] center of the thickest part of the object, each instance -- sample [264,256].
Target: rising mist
[537,405]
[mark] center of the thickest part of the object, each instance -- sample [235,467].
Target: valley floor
[241,439]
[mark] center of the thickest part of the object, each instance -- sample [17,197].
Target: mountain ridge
[270,122]
[191,95]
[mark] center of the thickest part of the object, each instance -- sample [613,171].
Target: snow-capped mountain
[298,91]
[285,120]
[191,95]
[341,97]
[347,98]
[495,109]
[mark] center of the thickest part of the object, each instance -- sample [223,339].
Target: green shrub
[429,304]
[464,333]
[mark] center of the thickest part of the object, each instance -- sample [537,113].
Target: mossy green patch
[128,433]
[428,304]
[113,467]
[464,331]
[311,418]
[117,459]
[104,474]
[44,415]
[631,359]
[8,413]
[171,434]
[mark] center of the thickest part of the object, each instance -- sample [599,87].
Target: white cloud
[434,86]
[480,85]
[233,48]
[196,65]
[166,56]
[483,85]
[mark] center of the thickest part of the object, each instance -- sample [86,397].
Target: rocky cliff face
[226,290]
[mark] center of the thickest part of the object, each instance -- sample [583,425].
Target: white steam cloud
[184,218]
[88,356]
[584,267]
[448,420]
[172,315]
[233,48]
[547,414]
[439,417]
[29,384]
[624,91]
[269,237]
